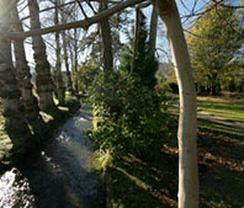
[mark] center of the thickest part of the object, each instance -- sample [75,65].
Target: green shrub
[129,114]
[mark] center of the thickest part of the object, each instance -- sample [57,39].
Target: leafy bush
[84,76]
[129,115]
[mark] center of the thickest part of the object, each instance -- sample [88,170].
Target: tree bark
[153,33]
[188,193]
[69,83]
[24,77]
[76,59]
[44,85]
[66,61]
[107,50]
[16,123]
[136,37]
[58,73]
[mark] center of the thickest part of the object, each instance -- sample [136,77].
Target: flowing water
[59,176]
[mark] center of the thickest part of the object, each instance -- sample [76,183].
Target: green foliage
[216,40]
[131,119]
[232,78]
[143,66]
[129,113]
[85,76]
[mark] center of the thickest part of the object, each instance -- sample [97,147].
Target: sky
[185,7]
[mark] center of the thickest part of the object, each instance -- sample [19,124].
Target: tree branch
[85,24]
[221,3]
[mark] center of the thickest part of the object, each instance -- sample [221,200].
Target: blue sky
[186,7]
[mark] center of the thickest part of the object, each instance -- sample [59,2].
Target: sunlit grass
[224,109]
[5,142]
[220,108]
[46,117]
[235,133]
[102,160]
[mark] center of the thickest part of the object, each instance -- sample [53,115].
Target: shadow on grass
[135,183]
[221,129]
[143,182]
[222,180]
[227,111]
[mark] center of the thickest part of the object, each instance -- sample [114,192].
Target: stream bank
[59,175]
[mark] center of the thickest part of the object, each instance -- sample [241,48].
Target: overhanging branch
[85,24]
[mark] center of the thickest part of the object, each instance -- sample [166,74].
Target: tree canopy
[213,42]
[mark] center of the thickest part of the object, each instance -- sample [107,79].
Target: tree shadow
[58,175]
[143,182]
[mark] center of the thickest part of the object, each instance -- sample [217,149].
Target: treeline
[215,44]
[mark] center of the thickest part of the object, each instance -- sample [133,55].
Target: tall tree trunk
[215,85]
[58,73]
[24,77]
[76,59]
[188,169]
[107,50]
[44,83]
[66,61]
[136,38]
[16,123]
[153,33]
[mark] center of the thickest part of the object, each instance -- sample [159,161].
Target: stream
[59,176]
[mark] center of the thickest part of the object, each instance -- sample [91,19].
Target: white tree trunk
[188,192]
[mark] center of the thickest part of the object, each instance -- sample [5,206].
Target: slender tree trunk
[16,123]
[66,61]
[24,77]
[107,50]
[76,59]
[44,83]
[188,170]
[58,72]
[153,33]
[72,64]
[137,32]
[215,85]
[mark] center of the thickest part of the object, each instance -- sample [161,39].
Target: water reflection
[15,190]
[58,176]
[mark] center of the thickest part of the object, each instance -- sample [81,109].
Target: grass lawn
[229,112]
[222,108]
[143,182]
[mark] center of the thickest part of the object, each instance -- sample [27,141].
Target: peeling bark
[44,83]
[24,77]
[16,123]
[188,190]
